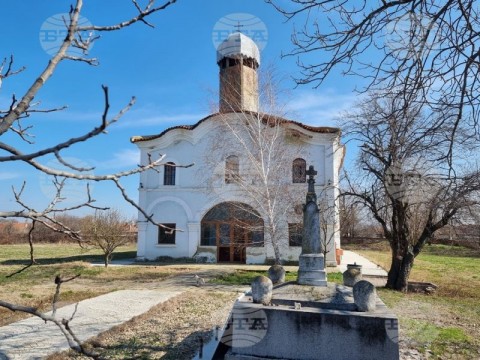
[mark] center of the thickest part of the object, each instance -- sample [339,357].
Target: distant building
[192,200]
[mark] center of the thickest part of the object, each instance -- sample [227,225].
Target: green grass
[439,341]
[58,253]
[447,322]
[245,277]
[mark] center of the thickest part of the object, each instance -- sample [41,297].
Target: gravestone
[276,273]
[262,290]
[365,296]
[311,270]
[319,321]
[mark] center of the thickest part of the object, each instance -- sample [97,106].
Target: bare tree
[106,230]
[11,121]
[262,139]
[45,234]
[427,51]
[263,183]
[349,217]
[17,134]
[407,189]
[63,324]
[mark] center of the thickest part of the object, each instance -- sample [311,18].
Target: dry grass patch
[35,285]
[171,330]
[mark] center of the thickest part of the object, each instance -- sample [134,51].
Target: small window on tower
[299,169]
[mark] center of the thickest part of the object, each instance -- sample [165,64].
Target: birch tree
[267,148]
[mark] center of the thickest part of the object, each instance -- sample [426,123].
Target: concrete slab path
[368,268]
[33,339]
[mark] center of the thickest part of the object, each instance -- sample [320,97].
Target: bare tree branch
[406,186]
[425,51]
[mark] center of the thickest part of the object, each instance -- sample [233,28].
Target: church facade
[218,207]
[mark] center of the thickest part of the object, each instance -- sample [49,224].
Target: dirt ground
[171,330]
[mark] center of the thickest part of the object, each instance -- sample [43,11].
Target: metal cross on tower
[239,26]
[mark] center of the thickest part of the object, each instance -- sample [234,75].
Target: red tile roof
[266,117]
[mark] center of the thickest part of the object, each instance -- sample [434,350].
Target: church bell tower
[238,58]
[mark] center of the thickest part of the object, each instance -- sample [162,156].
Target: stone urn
[352,275]
[262,288]
[276,273]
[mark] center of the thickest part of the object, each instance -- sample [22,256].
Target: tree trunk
[273,240]
[107,259]
[276,250]
[400,271]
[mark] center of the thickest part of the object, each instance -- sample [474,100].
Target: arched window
[169,174]
[299,169]
[232,169]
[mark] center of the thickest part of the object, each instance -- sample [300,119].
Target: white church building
[210,202]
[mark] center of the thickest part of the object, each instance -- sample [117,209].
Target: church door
[232,227]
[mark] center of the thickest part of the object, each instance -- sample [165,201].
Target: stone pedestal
[311,270]
[311,263]
[326,325]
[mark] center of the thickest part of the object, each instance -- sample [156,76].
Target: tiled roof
[265,117]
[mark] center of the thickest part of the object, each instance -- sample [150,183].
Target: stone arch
[232,227]
[183,204]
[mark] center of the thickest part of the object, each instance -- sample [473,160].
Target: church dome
[238,45]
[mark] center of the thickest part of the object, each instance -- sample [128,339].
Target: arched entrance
[232,227]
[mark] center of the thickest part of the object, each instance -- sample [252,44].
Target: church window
[209,235]
[232,169]
[166,234]
[299,169]
[169,174]
[295,234]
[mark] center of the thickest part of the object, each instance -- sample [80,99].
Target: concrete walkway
[368,267]
[33,339]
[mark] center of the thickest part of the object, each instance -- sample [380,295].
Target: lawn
[35,285]
[446,324]
[245,277]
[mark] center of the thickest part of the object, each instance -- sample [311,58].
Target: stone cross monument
[311,263]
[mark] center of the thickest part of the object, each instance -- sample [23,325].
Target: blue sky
[170,69]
